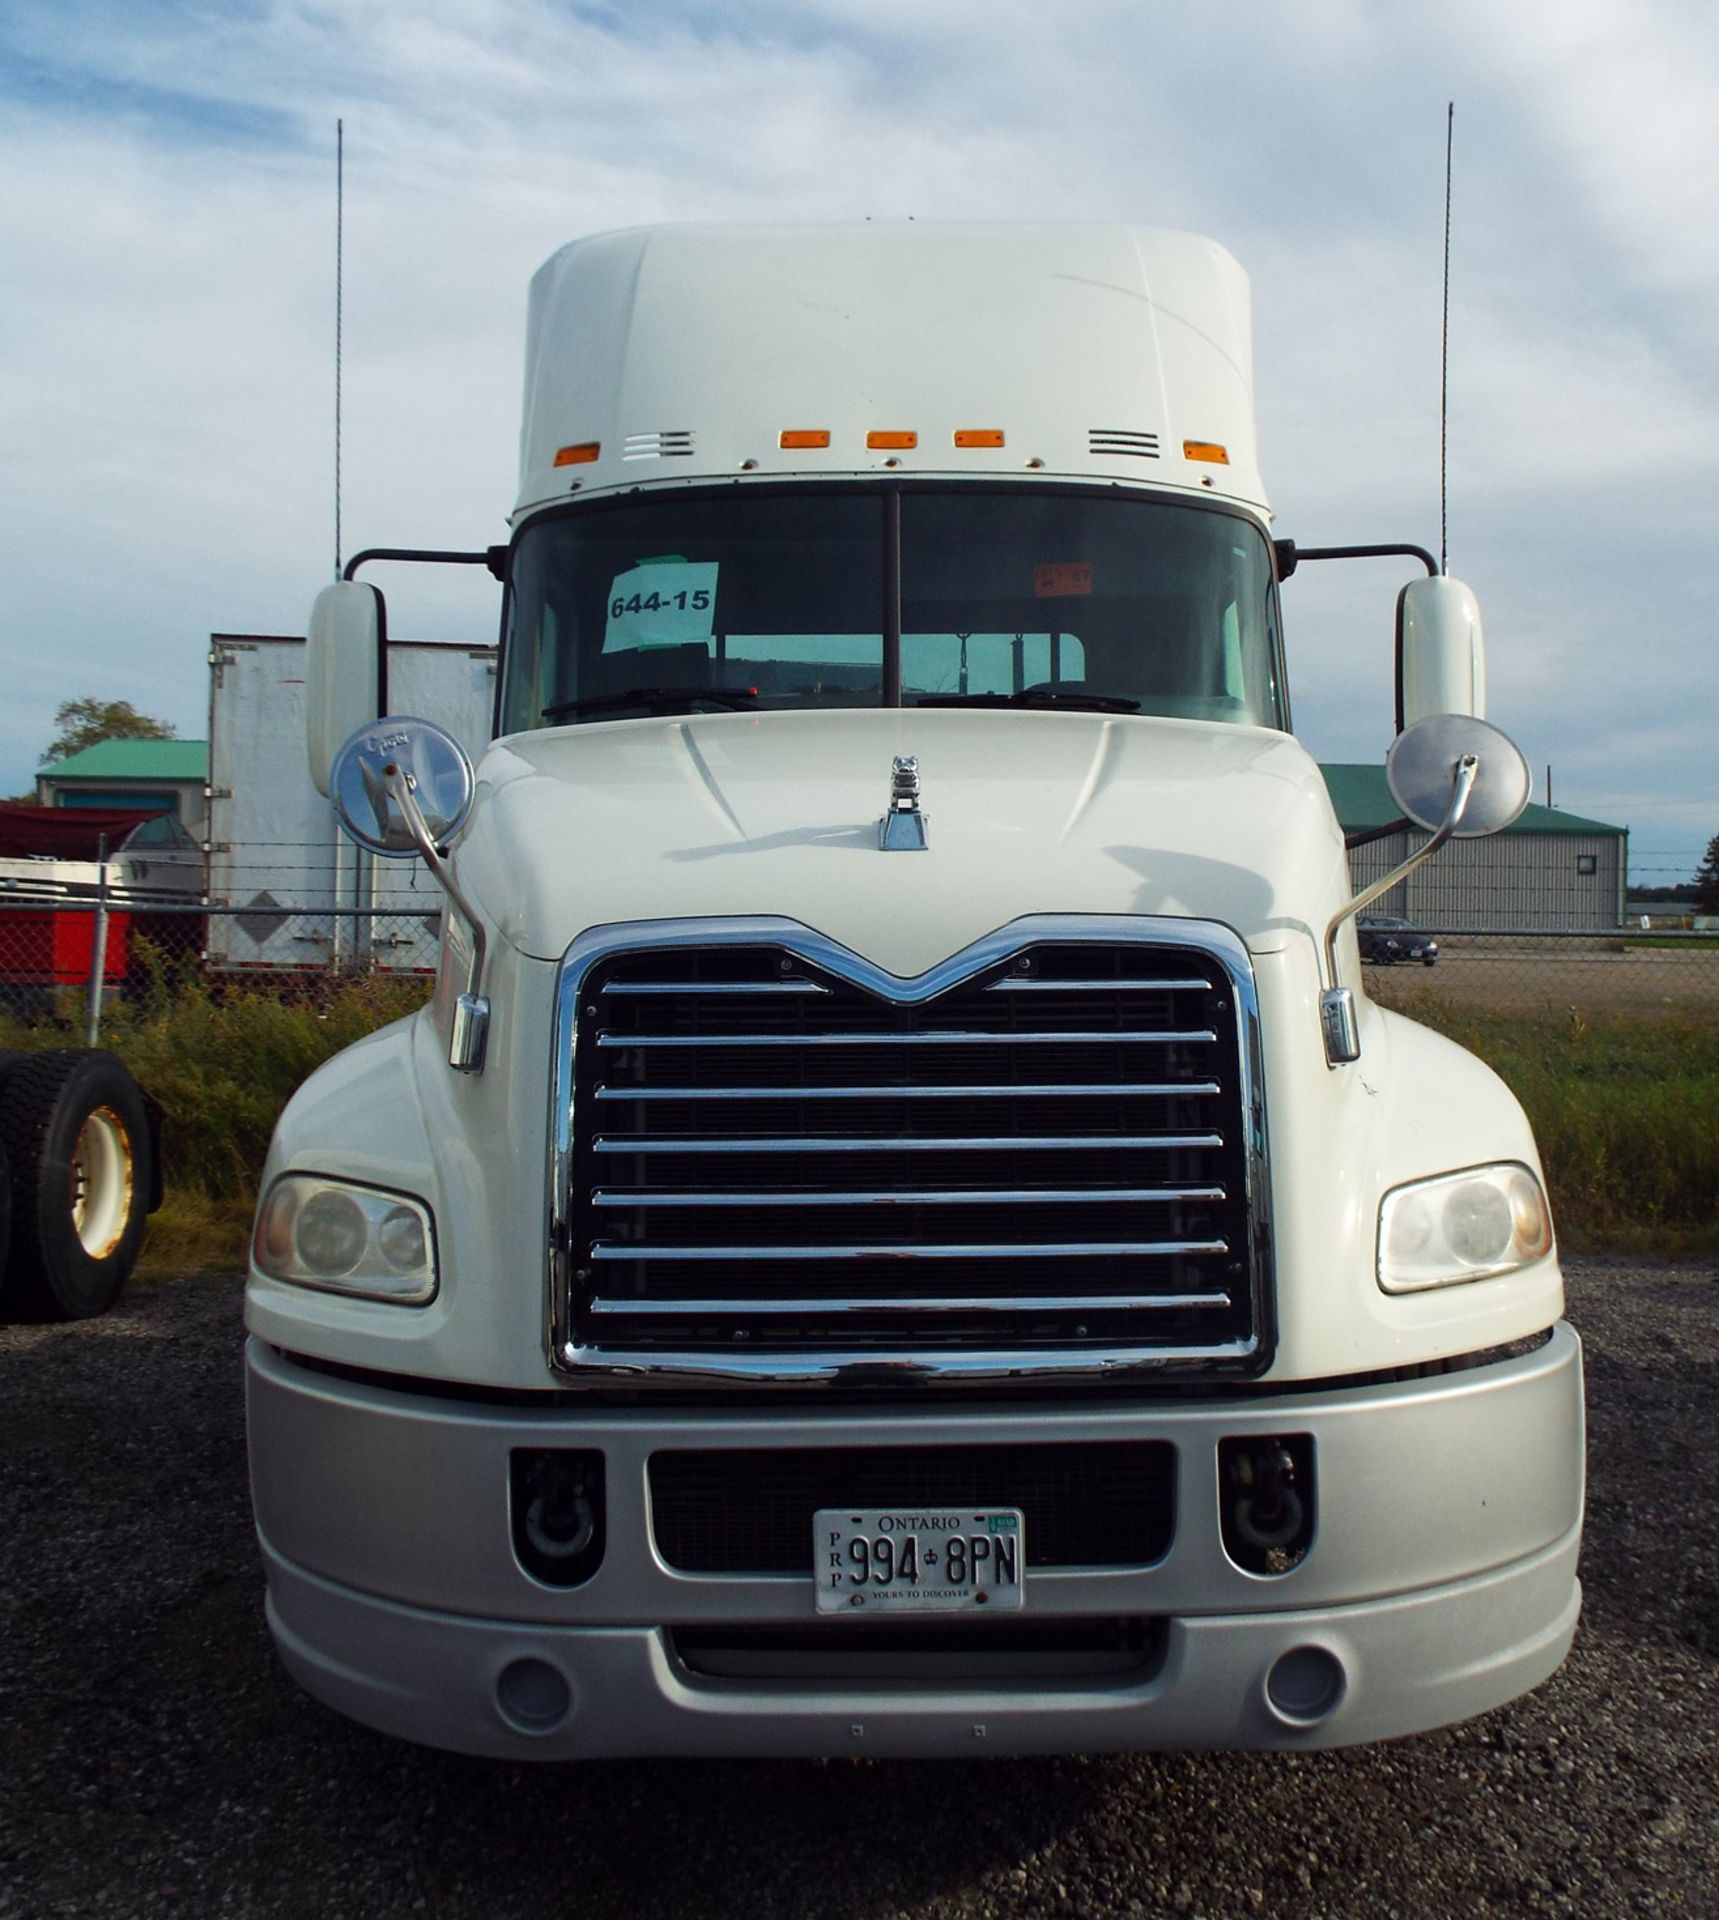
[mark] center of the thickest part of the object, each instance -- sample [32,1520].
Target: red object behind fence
[65,833]
[55,947]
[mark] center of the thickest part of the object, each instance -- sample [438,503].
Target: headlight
[359,1240]
[1473,1225]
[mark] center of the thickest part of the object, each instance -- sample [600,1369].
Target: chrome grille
[771,1157]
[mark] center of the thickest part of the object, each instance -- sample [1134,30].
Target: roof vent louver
[672,443]
[1121,440]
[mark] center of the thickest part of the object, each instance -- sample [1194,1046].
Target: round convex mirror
[1421,769]
[441,771]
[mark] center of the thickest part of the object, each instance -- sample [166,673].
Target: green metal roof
[135,760]
[1358,793]
[1362,800]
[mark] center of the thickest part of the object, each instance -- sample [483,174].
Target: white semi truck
[901,1232]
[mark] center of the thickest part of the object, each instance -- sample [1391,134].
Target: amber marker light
[978,436]
[1206,450]
[580,456]
[891,440]
[791,437]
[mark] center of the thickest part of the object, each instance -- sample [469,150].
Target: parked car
[1386,939]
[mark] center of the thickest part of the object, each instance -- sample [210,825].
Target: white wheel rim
[102,1176]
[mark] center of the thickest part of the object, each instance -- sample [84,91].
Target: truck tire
[74,1128]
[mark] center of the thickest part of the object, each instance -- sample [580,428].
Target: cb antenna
[1444,356]
[339,288]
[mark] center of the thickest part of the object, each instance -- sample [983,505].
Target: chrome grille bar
[934,1143]
[1059,1303]
[969,1036]
[1018,983]
[705,987]
[923,1250]
[960,1090]
[915,1197]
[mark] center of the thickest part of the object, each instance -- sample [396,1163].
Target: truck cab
[900,1231]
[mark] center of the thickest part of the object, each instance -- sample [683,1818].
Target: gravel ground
[158,1761]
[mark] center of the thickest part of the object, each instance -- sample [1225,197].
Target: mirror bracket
[1453,776]
[1337,1016]
[469,1031]
[402,787]
[1341,1026]
[1467,771]
[1337,1012]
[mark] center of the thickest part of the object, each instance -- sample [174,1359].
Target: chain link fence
[1630,974]
[54,951]
[65,961]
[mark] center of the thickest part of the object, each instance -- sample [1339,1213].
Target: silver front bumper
[1441,1580]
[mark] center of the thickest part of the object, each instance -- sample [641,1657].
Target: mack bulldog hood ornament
[904,829]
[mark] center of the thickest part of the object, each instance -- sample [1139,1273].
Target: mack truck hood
[777,813]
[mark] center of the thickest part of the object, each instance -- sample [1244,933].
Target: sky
[167,304]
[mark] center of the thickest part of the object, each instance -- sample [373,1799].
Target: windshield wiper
[1036,697]
[670,697]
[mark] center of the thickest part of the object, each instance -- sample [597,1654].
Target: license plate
[895,1560]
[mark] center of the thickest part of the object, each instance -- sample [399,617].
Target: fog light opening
[1265,1483]
[1306,1686]
[557,1498]
[532,1696]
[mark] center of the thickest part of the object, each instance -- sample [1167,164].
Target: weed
[1626,1112]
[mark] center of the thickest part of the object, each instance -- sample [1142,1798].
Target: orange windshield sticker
[1058,581]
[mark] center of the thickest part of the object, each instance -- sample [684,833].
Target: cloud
[166,296]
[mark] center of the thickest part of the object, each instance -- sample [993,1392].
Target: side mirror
[342,670]
[1441,659]
[402,787]
[1454,776]
[437,772]
[1423,763]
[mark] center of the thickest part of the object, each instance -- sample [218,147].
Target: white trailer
[275,853]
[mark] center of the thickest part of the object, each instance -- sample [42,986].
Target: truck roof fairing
[686,353]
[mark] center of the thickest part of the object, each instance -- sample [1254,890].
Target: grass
[1626,1112]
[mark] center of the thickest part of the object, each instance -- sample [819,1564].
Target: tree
[1707,879]
[83,722]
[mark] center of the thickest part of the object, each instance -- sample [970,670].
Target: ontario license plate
[895,1560]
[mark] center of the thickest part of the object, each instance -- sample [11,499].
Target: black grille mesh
[1083,1504]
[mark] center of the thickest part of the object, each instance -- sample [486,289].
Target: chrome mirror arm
[1336,1001]
[471,1009]
[1462,785]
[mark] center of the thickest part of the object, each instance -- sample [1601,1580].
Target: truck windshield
[768,597]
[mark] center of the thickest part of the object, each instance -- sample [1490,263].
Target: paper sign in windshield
[661,603]
[1063,579]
